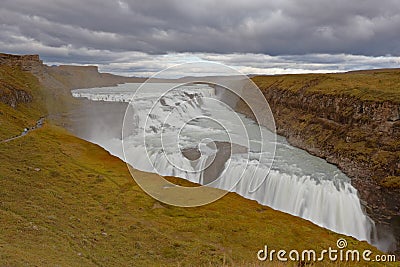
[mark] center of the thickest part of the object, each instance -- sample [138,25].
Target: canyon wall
[25,62]
[13,95]
[359,134]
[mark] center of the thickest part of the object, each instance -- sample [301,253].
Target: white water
[298,183]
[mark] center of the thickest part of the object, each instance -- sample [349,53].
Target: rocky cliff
[25,62]
[12,96]
[353,121]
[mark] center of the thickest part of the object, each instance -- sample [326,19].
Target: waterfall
[297,182]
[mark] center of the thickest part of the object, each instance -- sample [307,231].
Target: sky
[140,38]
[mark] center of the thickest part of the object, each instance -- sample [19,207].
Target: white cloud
[145,65]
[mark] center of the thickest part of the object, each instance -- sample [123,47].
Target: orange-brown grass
[379,85]
[65,201]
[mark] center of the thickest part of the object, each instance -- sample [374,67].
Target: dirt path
[39,124]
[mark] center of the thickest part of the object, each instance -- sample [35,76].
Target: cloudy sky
[254,36]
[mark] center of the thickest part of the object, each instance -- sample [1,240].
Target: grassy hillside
[67,202]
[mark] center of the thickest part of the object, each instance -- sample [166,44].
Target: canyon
[320,113]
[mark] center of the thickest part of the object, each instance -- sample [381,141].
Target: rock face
[12,96]
[361,137]
[215,165]
[25,62]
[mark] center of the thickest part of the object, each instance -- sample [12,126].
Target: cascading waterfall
[298,183]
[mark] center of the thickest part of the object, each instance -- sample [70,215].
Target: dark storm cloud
[255,36]
[269,27]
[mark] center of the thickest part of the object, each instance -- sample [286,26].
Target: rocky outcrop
[25,62]
[215,165]
[12,96]
[361,137]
